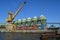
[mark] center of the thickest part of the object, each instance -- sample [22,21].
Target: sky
[48,8]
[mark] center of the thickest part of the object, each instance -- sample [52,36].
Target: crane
[11,17]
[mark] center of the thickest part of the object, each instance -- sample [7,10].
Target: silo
[34,20]
[23,22]
[19,22]
[42,19]
[29,21]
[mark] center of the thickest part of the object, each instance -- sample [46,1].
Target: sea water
[19,36]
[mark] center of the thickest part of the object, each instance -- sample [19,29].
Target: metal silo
[43,21]
[19,22]
[28,21]
[34,20]
[23,22]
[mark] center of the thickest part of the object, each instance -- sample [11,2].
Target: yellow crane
[11,26]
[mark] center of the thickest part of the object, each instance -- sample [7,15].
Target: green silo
[19,22]
[34,20]
[42,19]
[23,22]
[29,21]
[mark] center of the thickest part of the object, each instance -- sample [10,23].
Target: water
[19,36]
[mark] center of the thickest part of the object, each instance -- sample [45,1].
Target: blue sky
[49,8]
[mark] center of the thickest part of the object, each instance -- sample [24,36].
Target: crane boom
[18,10]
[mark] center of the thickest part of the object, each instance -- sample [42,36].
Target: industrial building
[39,21]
